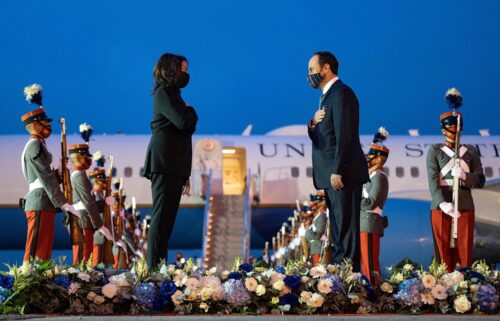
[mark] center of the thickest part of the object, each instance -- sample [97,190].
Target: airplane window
[400,171]
[295,172]
[414,171]
[141,172]
[386,170]
[488,171]
[127,171]
[309,171]
[113,172]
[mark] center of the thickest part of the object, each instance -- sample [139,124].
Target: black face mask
[183,80]
[314,79]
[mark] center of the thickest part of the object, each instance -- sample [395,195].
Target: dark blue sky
[248,60]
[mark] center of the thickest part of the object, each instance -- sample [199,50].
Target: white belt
[79,206]
[376,210]
[36,184]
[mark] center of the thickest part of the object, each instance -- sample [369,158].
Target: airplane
[279,166]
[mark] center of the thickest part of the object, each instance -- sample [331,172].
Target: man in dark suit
[339,165]
[168,159]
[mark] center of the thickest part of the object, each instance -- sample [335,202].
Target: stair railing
[247,220]
[207,223]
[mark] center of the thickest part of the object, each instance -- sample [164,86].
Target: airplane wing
[492,185]
[418,195]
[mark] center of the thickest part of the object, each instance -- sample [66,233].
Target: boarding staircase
[226,232]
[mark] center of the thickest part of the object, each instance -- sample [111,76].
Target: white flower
[439,292]
[73,287]
[316,300]
[461,304]
[279,285]
[260,290]
[85,127]
[119,280]
[26,267]
[71,270]
[206,293]
[109,290]
[407,267]
[305,296]
[251,284]
[99,299]
[325,286]
[48,273]
[386,287]
[204,306]
[429,281]
[318,271]
[84,276]
[31,91]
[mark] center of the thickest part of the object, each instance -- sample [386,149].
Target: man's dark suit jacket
[336,147]
[170,149]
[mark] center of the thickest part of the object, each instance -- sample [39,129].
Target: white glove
[448,209]
[458,171]
[302,230]
[365,193]
[69,208]
[110,200]
[107,234]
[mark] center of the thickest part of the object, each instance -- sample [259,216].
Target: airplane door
[207,156]
[233,170]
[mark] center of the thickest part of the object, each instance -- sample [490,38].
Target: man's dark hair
[326,57]
[167,70]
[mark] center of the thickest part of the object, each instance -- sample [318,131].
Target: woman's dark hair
[167,70]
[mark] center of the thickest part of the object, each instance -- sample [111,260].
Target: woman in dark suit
[168,159]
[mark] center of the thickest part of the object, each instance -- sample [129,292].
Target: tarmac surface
[335,317]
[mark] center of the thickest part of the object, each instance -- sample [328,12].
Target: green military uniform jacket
[84,201]
[372,203]
[44,192]
[439,165]
[314,233]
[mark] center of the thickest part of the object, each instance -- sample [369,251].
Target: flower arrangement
[47,287]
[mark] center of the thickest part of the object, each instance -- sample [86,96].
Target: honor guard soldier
[452,225]
[44,196]
[316,231]
[374,195]
[91,220]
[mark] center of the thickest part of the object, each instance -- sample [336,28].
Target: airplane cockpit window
[295,172]
[414,171]
[400,171]
[386,170]
[127,172]
[488,171]
[309,171]
[141,172]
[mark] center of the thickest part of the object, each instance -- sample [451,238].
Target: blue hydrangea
[280,269]
[246,267]
[292,281]
[235,293]
[234,276]
[167,289]
[474,275]
[487,298]
[62,280]
[6,281]
[337,285]
[4,294]
[160,303]
[145,294]
[409,292]
[289,299]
